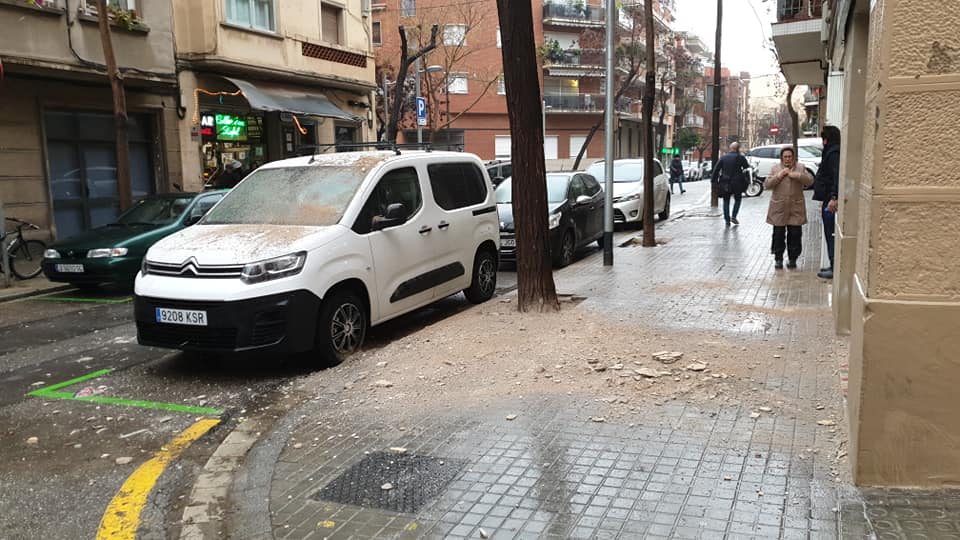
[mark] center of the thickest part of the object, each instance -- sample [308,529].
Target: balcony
[573,15]
[695,94]
[693,121]
[797,37]
[575,63]
[583,103]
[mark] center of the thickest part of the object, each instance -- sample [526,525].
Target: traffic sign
[774,130]
[421,111]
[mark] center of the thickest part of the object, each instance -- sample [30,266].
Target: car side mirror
[192,219]
[583,199]
[395,215]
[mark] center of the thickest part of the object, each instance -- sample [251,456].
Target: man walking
[676,173]
[731,181]
[826,189]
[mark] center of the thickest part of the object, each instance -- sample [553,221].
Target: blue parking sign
[421,111]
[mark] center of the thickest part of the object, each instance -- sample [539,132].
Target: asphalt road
[60,468]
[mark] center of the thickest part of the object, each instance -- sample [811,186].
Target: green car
[113,253]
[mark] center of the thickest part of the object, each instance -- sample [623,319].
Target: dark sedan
[575,213]
[113,253]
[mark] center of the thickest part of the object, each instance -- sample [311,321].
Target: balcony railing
[799,10]
[583,103]
[573,13]
[693,120]
[575,57]
[695,94]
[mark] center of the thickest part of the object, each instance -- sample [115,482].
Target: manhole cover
[414,480]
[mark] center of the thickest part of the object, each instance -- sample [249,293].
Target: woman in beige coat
[787,212]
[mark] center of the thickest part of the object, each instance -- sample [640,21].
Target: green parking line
[52,393]
[83,300]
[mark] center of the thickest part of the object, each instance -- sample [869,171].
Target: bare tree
[649,240]
[679,71]
[405,61]
[794,117]
[124,189]
[524,109]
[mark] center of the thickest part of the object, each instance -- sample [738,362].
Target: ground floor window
[228,138]
[82,165]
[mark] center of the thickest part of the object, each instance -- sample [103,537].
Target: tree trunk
[715,135]
[794,117]
[525,111]
[124,190]
[405,62]
[649,239]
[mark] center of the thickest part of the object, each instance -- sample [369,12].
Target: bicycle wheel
[25,258]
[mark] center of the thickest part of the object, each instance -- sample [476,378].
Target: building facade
[466,93]
[57,149]
[891,70]
[262,80]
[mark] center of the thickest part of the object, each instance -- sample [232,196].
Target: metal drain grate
[415,480]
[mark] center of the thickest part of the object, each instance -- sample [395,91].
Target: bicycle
[25,255]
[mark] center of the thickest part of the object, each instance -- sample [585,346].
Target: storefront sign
[208,125]
[231,128]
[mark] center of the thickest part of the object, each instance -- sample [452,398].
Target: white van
[306,253]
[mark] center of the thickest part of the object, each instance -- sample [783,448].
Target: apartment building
[462,78]
[262,80]
[57,150]
[734,111]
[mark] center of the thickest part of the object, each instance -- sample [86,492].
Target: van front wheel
[341,327]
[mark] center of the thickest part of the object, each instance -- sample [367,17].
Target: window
[257,14]
[377,35]
[502,146]
[330,23]
[576,188]
[399,186]
[457,84]
[205,204]
[499,39]
[576,143]
[657,169]
[501,86]
[90,6]
[457,185]
[408,8]
[455,34]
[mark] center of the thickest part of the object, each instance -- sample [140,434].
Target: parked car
[356,239]
[113,253]
[692,171]
[763,158]
[628,189]
[574,209]
[499,170]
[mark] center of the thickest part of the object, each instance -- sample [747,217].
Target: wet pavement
[676,470]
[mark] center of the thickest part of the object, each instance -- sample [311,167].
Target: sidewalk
[493,424]
[30,287]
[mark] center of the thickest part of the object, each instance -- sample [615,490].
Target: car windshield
[622,172]
[311,196]
[155,211]
[816,152]
[556,189]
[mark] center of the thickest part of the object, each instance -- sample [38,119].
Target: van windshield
[309,196]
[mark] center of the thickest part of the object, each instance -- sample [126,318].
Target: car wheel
[484,282]
[567,249]
[341,327]
[666,209]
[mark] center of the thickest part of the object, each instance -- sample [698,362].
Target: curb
[34,292]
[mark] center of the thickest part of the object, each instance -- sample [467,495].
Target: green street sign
[671,151]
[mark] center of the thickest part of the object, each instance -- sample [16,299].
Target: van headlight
[554,220]
[106,252]
[275,268]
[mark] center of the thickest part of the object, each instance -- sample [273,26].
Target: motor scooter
[754,184]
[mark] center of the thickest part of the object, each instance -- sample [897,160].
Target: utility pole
[119,108]
[608,128]
[416,82]
[715,136]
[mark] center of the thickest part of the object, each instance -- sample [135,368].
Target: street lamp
[430,69]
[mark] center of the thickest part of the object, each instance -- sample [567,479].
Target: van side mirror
[395,215]
[192,219]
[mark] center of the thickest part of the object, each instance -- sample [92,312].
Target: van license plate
[182,316]
[70,268]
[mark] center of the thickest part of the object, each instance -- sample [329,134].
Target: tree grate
[414,479]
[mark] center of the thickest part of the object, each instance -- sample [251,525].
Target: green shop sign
[231,128]
[671,151]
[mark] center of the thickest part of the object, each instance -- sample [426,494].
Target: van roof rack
[315,149]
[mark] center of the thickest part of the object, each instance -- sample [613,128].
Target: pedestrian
[231,176]
[676,173]
[826,189]
[788,211]
[731,181]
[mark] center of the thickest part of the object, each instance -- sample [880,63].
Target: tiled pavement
[678,471]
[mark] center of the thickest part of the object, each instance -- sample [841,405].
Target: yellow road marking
[122,518]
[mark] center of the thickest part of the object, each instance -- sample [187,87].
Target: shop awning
[272,97]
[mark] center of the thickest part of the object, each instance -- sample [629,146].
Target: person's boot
[792,264]
[826,273]
[778,264]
